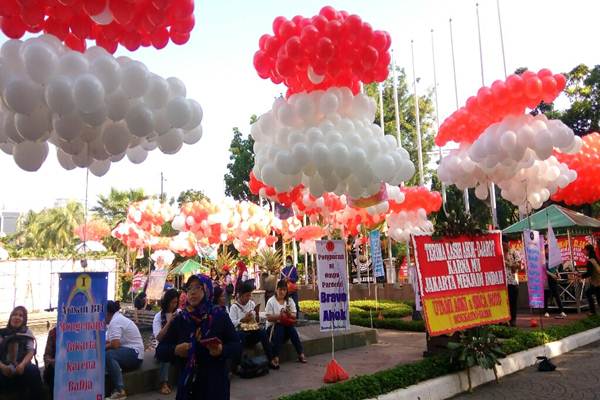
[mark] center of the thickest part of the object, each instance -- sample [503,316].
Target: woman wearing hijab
[17,349]
[160,326]
[203,338]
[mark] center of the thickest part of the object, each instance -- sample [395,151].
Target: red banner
[462,281]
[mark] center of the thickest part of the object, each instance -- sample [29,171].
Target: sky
[216,66]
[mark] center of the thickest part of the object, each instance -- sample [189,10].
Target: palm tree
[269,261]
[113,208]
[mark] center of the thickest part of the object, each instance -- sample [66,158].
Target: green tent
[187,267]
[559,217]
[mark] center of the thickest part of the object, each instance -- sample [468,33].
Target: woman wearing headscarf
[160,326]
[203,338]
[17,349]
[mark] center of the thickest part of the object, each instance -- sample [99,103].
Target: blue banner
[536,271]
[80,336]
[376,258]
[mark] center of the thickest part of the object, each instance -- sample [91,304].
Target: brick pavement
[576,377]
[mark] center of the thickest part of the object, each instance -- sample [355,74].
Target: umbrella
[187,267]
[90,245]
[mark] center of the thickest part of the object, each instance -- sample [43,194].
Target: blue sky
[216,66]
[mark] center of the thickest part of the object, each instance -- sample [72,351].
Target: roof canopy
[558,217]
[186,267]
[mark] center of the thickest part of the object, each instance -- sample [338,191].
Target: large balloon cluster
[586,163]
[332,49]
[516,154]
[258,188]
[409,217]
[131,23]
[328,142]
[493,104]
[93,107]
[307,236]
[323,136]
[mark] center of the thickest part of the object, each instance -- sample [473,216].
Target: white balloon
[108,71]
[21,95]
[11,54]
[157,94]
[176,87]
[100,167]
[35,125]
[170,142]
[88,93]
[64,159]
[117,157]
[193,136]
[329,103]
[95,118]
[59,95]
[197,115]
[7,148]
[82,159]
[150,145]
[73,147]
[10,130]
[67,127]
[73,63]
[117,105]
[115,137]
[30,156]
[137,155]
[481,192]
[179,112]
[40,61]
[134,79]
[161,122]
[140,120]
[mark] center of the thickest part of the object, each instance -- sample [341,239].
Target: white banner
[333,285]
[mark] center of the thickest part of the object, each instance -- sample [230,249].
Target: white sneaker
[562,315]
[547,315]
[117,395]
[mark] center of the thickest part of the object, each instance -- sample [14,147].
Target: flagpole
[492,186]
[417,117]
[381,116]
[465,191]
[437,119]
[501,38]
[396,104]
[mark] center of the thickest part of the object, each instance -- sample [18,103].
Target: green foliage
[241,159]
[408,130]
[113,208]
[457,224]
[190,195]
[269,260]
[405,375]
[225,258]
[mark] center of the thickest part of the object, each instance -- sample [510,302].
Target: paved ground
[393,348]
[577,376]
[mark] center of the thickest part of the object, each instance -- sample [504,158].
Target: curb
[450,385]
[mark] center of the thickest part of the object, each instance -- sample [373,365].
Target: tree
[190,195]
[113,208]
[408,120]
[241,159]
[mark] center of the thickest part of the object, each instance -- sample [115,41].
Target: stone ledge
[450,385]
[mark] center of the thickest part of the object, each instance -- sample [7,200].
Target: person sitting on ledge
[124,348]
[17,349]
[50,361]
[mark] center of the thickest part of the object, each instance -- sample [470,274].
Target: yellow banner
[447,314]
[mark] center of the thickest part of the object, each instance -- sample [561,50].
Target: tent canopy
[558,217]
[186,267]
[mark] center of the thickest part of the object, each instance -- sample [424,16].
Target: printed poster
[333,285]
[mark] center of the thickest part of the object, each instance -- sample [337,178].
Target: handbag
[292,287]
[287,319]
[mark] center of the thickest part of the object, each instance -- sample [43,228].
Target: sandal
[302,359]
[274,366]
[165,389]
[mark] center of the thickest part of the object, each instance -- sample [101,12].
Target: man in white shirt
[124,348]
[241,312]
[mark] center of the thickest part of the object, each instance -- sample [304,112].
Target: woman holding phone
[202,337]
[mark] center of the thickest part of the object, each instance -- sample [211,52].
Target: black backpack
[253,367]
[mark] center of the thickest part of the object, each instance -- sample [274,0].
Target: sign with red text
[333,285]
[80,336]
[462,281]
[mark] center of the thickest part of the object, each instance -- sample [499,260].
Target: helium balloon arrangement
[109,22]
[323,136]
[93,107]
[500,144]
[410,216]
[586,163]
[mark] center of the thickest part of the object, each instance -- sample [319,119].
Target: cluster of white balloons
[393,194]
[515,154]
[327,141]
[405,223]
[93,107]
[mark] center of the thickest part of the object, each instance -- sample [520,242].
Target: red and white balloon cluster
[586,163]
[93,107]
[327,50]
[131,23]
[323,136]
[409,217]
[516,154]
[328,142]
[307,236]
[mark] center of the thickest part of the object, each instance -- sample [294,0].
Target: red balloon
[561,82]
[185,24]
[333,29]
[325,49]
[294,49]
[284,66]
[131,40]
[329,12]
[81,26]
[182,8]
[9,8]
[287,29]
[56,28]
[33,14]
[263,39]
[179,38]
[533,87]
[108,44]
[277,23]
[122,11]
[94,7]
[13,27]
[75,43]
[369,57]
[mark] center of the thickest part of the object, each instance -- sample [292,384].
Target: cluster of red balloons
[94,230]
[332,49]
[150,215]
[130,235]
[310,232]
[585,189]
[131,23]
[258,187]
[492,104]
[195,217]
[416,197]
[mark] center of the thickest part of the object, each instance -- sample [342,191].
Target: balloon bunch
[202,219]
[249,227]
[307,236]
[503,98]
[287,228]
[330,49]
[516,154]
[162,258]
[94,230]
[409,217]
[323,206]
[150,215]
[184,244]
[109,22]
[416,197]
[132,236]
[260,189]
[586,163]
[92,107]
[328,142]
